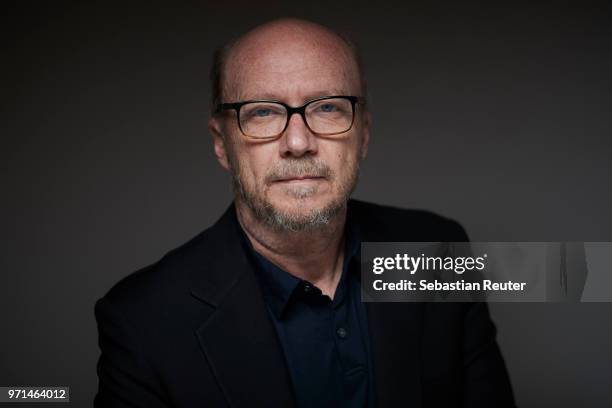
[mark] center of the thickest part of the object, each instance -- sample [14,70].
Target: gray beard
[278,220]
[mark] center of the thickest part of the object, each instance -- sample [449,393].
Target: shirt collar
[279,286]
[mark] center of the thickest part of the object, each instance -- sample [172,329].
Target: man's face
[299,180]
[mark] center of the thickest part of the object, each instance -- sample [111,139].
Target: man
[263,309]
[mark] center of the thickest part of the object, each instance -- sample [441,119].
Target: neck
[313,255]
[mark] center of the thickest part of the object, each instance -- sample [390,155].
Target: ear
[215,129]
[365,124]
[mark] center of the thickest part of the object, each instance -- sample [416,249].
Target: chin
[288,213]
[300,201]
[303,209]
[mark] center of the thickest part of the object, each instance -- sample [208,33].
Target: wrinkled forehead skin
[290,60]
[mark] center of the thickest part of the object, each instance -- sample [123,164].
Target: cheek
[343,160]
[350,151]
[253,163]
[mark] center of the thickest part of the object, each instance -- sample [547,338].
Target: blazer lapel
[238,338]
[395,343]
[394,328]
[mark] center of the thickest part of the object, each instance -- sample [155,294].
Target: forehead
[290,64]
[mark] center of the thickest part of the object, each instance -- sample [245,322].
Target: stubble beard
[299,219]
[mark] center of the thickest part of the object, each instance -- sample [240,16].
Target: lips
[298,178]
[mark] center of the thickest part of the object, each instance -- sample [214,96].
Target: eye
[327,107]
[262,112]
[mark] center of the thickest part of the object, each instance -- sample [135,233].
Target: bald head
[269,59]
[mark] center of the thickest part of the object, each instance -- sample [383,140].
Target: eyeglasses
[326,116]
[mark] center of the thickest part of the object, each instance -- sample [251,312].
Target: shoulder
[168,284]
[153,289]
[386,223]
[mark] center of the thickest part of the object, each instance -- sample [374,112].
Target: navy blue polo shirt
[325,341]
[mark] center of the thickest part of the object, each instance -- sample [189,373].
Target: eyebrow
[313,95]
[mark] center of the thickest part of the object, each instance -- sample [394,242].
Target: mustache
[292,168]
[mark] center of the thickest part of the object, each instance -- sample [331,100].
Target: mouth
[299,179]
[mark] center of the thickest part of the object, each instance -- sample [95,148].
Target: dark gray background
[498,116]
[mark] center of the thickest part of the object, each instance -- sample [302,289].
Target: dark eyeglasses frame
[290,111]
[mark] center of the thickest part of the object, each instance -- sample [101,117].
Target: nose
[297,139]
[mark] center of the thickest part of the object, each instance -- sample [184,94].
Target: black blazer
[192,331]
